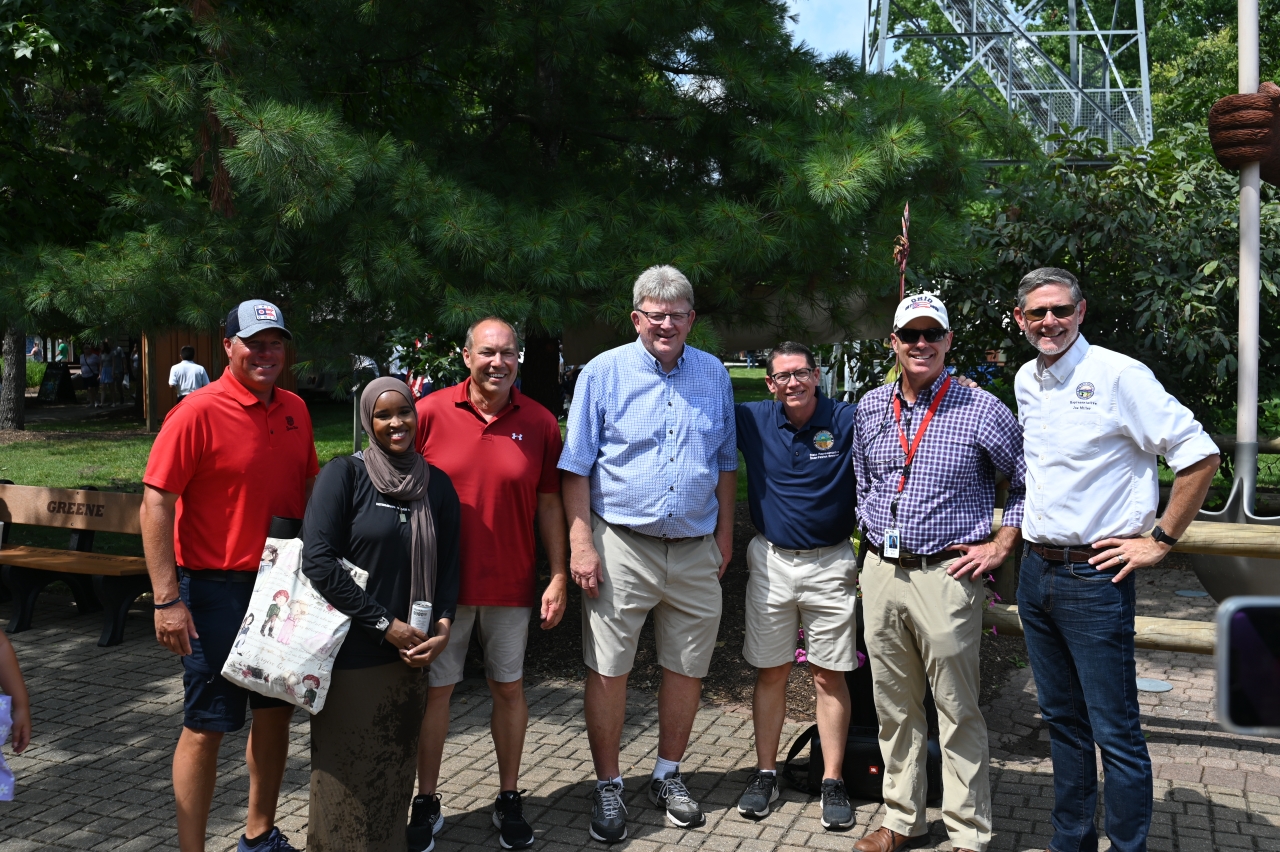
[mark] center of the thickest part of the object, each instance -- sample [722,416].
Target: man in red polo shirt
[500,448]
[233,454]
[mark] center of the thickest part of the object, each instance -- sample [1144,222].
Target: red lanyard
[924,424]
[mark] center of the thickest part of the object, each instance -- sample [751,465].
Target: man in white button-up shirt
[1094,422]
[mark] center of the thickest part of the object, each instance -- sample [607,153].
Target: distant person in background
[37,352]
[119,370]
[90,367]
[64,352]
[186,375]
[106,375]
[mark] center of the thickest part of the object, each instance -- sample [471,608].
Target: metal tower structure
[1006,51]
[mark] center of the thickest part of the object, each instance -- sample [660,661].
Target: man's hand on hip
[1127,554]
[554,601]
[977,559]
[175,628]
[584,565]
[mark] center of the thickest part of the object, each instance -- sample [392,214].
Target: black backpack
[863,769]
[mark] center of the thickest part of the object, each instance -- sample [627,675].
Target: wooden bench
[100,582]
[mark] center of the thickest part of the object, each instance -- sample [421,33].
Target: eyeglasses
[1059,311]
[910,336]
[657,317]
[801,375]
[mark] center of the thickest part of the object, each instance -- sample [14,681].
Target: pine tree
[386,163]
[64,151]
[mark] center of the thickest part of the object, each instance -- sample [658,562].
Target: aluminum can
[420,616]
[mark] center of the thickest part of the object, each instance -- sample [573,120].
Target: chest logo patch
[824,440]
[517,436]
[1085,390]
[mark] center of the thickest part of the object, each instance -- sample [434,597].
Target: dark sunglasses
[913,335]
[1059,311]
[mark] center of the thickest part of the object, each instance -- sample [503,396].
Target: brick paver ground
[106,719]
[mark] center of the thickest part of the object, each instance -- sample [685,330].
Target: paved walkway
[97,775]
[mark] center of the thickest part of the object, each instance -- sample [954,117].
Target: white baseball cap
[921,305]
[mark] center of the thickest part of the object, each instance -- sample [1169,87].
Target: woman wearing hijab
[387,511]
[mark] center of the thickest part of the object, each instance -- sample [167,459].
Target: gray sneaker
[761,792]
[671,795]
[607,823]
[837,813]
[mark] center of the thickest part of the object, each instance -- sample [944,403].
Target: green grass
[107,461]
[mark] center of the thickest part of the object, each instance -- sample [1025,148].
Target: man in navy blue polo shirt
[801,487]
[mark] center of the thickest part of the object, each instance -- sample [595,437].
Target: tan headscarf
[403,476]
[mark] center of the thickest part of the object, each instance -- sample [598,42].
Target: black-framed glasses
[801,375]
[1059,311]
[658,317]
[911,336]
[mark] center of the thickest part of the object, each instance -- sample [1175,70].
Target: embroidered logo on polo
[289,425]
[824,440]
[517,436]
[265,312]
[1085,390]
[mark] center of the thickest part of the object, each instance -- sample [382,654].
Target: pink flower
[862,659]
[801,657]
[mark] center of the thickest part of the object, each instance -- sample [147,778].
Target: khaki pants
[679,581]
[923,623]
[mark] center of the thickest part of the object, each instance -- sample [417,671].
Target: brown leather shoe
[882,840]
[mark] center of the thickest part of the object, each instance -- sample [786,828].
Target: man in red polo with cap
[235,453]
[500,449]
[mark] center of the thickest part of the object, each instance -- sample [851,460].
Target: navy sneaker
[273,842]
[761,793]
[425,821]
[837,811]
[514,831]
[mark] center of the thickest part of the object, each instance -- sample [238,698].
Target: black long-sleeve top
[347,518]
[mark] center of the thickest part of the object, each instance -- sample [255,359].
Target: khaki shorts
[679,582]
[504,632]
[789,589]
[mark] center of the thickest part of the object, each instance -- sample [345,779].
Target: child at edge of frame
[15,712]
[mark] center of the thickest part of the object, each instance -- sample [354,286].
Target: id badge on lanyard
[891,549]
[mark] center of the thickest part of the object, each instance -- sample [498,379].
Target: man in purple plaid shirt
[926,452]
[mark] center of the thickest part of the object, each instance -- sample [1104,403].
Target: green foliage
[35,374]
[430,164]
[1154,241]
[431,355]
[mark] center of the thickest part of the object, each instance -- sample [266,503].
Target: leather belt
[662,538]
[219,576]
[1068,553]
[909,560]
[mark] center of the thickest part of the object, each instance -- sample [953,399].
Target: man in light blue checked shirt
[649,482]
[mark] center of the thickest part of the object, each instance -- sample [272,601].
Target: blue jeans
[1079,632]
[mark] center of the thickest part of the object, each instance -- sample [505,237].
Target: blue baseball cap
[252,316]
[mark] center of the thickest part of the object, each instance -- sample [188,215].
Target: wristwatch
[1163,537]
[383,625]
